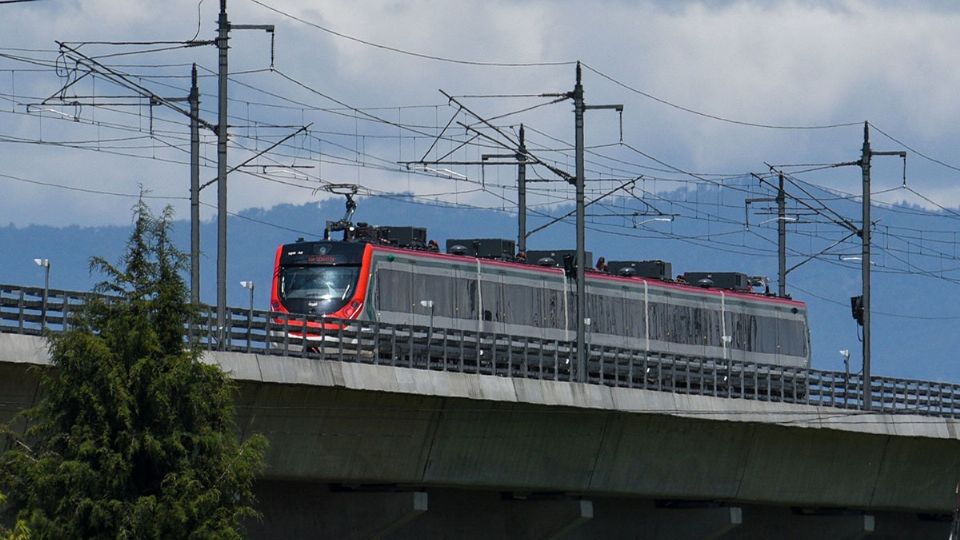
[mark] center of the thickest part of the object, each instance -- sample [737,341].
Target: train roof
[593,275]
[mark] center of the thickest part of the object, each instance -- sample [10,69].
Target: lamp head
[246,284]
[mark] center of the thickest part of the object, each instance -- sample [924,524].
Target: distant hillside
[917,348]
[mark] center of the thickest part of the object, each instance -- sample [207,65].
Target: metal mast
[865,268]
[522,194]
[194,188]
[578,109]
[223,27]
[781,240]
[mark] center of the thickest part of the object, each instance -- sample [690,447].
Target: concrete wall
[354,424]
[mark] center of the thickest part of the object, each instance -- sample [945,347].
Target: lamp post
[45,264]
[845,353]
[249,285]
[429,305]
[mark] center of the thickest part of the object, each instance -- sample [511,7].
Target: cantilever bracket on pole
[262,152]
[440,136]
[269,28]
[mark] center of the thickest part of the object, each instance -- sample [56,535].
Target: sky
[712,91]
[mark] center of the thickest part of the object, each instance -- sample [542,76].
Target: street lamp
[45,264]
[249,285]
[845,354]
[429,305]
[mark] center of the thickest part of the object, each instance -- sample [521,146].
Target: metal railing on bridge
[25,310]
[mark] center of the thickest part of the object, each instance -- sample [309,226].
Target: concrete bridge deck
[560,458]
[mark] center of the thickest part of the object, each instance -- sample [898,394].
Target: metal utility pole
[865,268]
[194,189]
[223,31]
[579,107]
[223,37]
[781,240]
[522,194]
[864,163]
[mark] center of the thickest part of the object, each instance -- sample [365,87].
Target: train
[393,275]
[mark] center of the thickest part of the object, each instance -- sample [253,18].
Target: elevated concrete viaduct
[371,451]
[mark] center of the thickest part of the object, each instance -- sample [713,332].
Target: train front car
[318,281]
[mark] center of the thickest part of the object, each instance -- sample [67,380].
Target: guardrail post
[210,335]
[411,346]
[21,307]
[249,328]
[376,342]
[65,312]
[445,352]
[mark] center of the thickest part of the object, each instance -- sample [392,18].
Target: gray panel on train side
[523,303]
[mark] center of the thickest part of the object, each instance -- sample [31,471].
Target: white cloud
[783,63]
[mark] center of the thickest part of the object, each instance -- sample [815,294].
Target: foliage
[134,437]
[19,532]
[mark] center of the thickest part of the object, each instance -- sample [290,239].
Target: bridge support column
[840,526]
[300,510]
[692,520]
[546,519]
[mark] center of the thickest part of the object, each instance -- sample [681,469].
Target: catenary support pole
[223,27]
[865,269]
[578,108]
[522,194]
[781,240]
[194,189]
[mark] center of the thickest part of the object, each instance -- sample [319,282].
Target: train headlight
[352,308]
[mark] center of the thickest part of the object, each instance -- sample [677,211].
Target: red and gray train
[391,275]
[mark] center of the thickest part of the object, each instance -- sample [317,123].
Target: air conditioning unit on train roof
[484,248]
[392,235]
[735,281]
[402,236]
[648,269]
[555,257]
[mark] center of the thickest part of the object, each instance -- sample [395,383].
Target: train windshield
[316,289]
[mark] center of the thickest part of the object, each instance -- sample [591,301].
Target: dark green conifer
[134,437]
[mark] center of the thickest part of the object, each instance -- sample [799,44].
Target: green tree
[19,532]
[133,437]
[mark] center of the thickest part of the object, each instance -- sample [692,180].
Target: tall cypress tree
[133,437]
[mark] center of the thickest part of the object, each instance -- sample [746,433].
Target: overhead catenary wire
[407,52]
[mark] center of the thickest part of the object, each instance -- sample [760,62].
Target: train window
[393,290]
[793,339]
[465,297]
[491,294]
[553,313]
[439,289]
[521,305]
[606,314]
[712,327]
[317,282]
[766,334]
[633,318]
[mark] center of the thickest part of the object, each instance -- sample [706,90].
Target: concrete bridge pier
[307,510]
